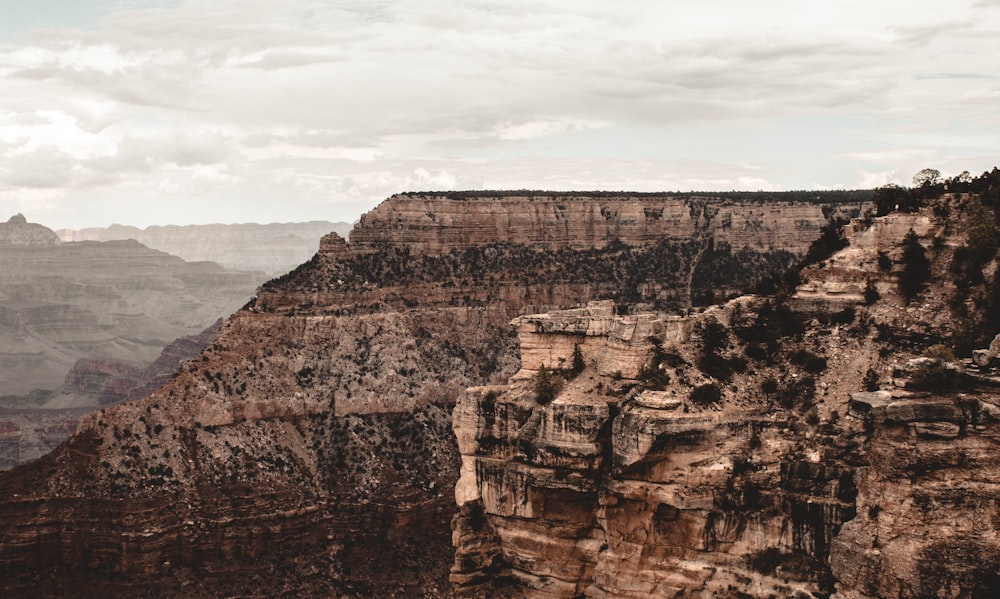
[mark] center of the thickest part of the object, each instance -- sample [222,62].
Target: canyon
[709,442]
[74,316]
[60,302]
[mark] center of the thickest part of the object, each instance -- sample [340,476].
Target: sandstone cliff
[308,450]
[435,223]
[735,452]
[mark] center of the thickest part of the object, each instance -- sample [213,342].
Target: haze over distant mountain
[118,299]
[273,248]
[76,315]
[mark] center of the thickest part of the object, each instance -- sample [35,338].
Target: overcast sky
[156,112]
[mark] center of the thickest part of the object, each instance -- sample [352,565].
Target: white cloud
[326,107]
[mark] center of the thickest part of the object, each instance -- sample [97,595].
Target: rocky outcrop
[985,357]
[89,375]
[732,453]
[273,248]
[18,232]
[308,450]
[616,489]
[927,499]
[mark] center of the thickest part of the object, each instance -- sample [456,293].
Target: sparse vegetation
[653,375]
[916,267]
[831,240]
[715,340]
[706,394]
[871,293]
[809,361]
[941,353]
[871,381]
[546,385]
[578,365]
[935,375]
[798,393]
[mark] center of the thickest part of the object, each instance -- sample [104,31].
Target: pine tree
[871,381]
[916,267]
[578,363]
[871,293]
[547,385]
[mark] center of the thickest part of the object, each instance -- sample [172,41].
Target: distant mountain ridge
[75,314]
[18,232]
[272,248]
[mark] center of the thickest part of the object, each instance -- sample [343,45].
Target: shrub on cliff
[935,375]
[871,293]
[830,241]
[652,375]
[809,361]
[578,363]
[715,339]
[799,393]
[916,267]
[871,381]
[547,385]
[940,352]
[983,236]
[708,393]
[714,336]
[774,322]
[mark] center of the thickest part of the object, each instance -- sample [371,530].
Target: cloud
[317,105]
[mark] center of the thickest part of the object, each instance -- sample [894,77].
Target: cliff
[435,223]
[272,248]
[802,445]
[308,450]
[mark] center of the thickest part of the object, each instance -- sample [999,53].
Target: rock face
[616,489]
[308,451]
[985,357]
[733,453]
[274,248]
[435,223]
[18,232]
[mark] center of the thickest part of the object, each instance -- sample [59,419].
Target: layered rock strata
[733,453]
[42,420]
[309,450]
[612,490]
[434,223]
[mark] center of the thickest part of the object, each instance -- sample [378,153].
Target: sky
[147,112]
